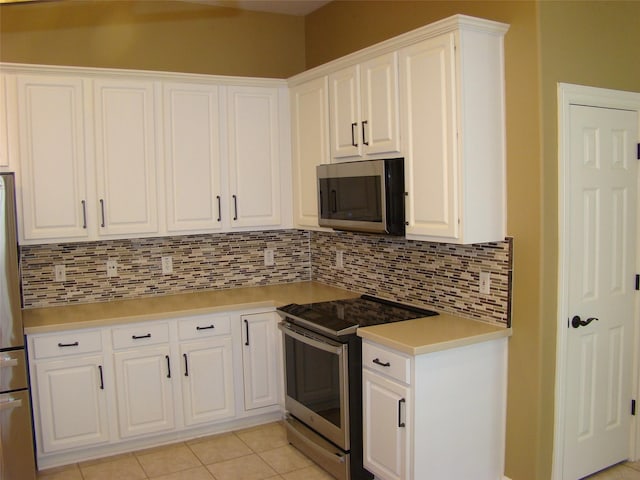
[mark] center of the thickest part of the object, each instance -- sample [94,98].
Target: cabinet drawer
[67,343]
[140,335]
[204,326]
[387,362]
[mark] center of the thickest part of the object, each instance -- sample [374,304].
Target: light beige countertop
[413,337]
[70,317]
[432,334]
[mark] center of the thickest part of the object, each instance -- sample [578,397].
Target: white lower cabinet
[99,392]
[259,360]
[385,414]
[72,403]
[144,391]
[435,416]
[207,380]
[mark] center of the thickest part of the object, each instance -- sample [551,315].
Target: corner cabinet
[260,355]
[453,124]
[435,416]
[254,156]
[310,139]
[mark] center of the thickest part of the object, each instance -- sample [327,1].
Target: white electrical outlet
[60,273]
[485,283]
[112,268]
[339,258]
[167,265]
[269,257]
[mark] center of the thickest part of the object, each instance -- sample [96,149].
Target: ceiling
[287,7]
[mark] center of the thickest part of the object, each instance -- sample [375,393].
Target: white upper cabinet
[310,137]
[125,138]
[452,103]
[380,124]
[53,153]
[254,156]
[192,157]
[364,108]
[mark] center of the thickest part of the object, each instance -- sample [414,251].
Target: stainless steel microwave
[364,196]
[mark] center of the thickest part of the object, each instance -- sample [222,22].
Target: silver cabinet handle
[401,402]
[219,209]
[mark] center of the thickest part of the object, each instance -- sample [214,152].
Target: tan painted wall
[591,43]
[153,35]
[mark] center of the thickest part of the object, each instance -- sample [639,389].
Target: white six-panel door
[602,218]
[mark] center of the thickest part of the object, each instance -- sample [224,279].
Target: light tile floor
[257,453]
[622,471]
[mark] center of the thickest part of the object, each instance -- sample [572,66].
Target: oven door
[317,382]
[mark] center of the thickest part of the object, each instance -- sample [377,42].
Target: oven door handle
[327,347]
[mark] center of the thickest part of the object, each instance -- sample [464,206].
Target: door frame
[567,95]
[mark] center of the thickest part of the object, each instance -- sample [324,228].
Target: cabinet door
[71,402]
[207,380]
[144,391]
[387,423]
[344,101]
[192,157]
[254,163]
[52,157]
[380,128]
[310,129]
[259,360]
[125,156]
[429,142]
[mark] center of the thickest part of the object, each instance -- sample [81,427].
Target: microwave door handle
[321,204]
[334,197]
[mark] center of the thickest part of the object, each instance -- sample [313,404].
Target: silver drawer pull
[378,362]
[210,327]
[64,345]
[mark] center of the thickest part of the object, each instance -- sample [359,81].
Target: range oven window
[313,379]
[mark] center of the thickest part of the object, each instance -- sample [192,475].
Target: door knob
[576,321]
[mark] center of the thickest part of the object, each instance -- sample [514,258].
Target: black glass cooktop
[342,317]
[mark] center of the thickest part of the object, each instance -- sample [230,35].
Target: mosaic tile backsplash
[431,275]
[440,276]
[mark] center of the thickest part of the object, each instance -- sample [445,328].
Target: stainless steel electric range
[323,377]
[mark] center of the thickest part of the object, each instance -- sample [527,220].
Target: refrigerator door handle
[10,403]
[8,362]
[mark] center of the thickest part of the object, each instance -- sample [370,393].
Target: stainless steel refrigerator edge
[17,460]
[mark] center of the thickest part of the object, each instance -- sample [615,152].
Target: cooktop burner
[343,317]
